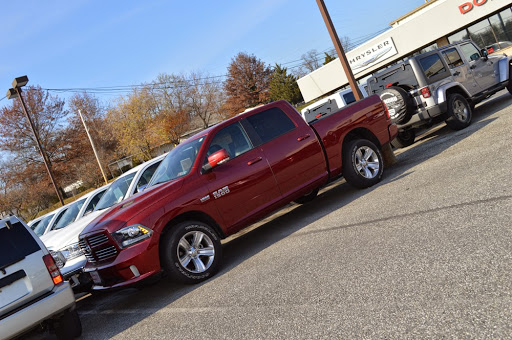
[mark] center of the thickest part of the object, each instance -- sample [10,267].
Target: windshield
[70,214]
[42,225]
[115,193]
[178,162]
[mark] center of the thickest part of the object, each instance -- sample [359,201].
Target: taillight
[53,269]
[425,92]
[387,112]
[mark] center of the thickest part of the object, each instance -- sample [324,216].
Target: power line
[178,83]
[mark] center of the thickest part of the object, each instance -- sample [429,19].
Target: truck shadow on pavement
[109,314]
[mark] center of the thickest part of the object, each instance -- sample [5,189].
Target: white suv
[32,290]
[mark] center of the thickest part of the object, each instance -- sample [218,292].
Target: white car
[32,290]
[63,216]
[329,104]
[64,243]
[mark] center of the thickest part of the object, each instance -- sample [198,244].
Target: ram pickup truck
[226,178]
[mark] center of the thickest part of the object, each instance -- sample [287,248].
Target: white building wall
[437,20]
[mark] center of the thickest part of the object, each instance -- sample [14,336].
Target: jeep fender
[504,66]
[441,91]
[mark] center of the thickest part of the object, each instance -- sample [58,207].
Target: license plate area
[96,278]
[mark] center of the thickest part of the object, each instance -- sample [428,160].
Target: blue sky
[83,44]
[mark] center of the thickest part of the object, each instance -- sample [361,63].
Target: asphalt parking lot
[426,253]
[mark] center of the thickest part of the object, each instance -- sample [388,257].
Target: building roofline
[427,3]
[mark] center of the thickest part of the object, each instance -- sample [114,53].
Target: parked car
[498,46]
[443,84]
[46,222]
[226,178]
[330,104]
[32,290]
[64,243]
[63,216]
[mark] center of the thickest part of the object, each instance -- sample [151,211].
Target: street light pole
[339,49]
[16,92]
[93,147]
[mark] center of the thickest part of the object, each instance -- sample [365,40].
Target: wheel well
[197,216]
[361,133]
[457,89]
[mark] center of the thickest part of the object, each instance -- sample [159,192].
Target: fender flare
[441,91]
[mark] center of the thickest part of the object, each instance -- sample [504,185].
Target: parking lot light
[15,92]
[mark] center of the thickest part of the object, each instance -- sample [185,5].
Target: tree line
[152,114]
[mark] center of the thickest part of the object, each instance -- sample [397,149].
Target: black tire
[174,254]
[399,104]
[362,163]
[307,198]
[404,139]
[68,326]
[459,112]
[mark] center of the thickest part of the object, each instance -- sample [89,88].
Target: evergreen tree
[284,86]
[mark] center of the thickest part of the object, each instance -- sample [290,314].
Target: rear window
[395,76]
[432,65]
[15,244]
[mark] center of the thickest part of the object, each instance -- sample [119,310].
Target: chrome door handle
[254,161]
[300,139]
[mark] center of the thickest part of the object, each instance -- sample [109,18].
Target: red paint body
[261,180]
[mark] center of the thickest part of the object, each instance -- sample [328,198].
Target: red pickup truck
[226,178]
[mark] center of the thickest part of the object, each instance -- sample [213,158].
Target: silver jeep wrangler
[444,84]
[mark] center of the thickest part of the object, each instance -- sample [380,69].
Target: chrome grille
[98,248]
[97,239]
[106,253]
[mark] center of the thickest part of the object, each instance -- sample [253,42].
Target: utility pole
[93,147]
[339,49]
[14,92]
[387,151]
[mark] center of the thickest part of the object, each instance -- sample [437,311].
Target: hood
[135,206]
[58,239]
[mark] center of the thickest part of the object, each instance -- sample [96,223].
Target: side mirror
[485,54]
[215,159]
[142,187]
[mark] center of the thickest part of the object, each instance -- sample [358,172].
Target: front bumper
[57,301]
[132,265]
[73,271]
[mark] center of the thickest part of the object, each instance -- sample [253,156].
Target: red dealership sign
[468,6]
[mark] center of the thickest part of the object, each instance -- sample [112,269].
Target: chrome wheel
[460,110]
[196,252]
[366,162]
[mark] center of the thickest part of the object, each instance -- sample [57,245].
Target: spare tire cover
[399,104]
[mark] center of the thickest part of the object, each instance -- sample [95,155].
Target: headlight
[133,234]
[59,258]
[72,251]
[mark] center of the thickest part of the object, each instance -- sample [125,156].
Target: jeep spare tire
[399,104]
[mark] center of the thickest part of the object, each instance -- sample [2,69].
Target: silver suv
[32,290]
[443,84]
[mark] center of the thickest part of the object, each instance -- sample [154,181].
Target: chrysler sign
[372,55]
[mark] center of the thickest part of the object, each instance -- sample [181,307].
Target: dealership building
[436,23]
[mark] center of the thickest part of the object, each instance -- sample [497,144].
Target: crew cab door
[243,186]
[484,70]
[291,147]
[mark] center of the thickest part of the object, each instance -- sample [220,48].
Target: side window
[146,176]
[349,98]
[452,58]
[270,124]
[470,52]
[432,65]
[93,202]
[233,139]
